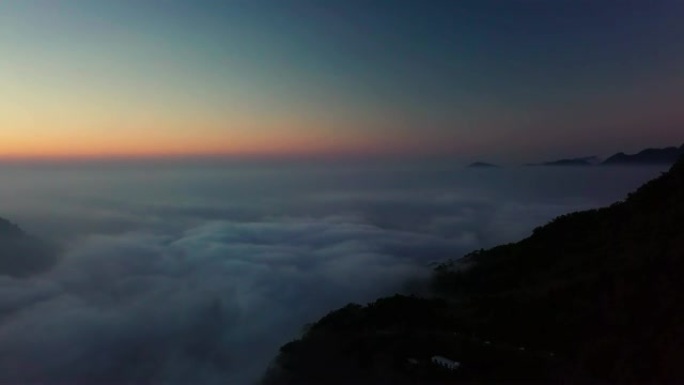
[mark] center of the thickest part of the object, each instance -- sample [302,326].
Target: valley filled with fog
[198,272]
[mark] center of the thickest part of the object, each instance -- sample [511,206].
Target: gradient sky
[497,79]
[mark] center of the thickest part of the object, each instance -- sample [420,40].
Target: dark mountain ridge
[666,155]
[592,297]
[21,254]
[583,161]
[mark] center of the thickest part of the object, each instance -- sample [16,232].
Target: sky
[512,80]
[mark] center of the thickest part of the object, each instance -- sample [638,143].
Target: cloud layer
[198,277]
[209,305]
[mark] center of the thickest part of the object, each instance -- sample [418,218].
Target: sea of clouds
[198,273]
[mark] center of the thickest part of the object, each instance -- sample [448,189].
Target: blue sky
[501,79]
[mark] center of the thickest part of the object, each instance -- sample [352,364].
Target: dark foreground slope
[593,296]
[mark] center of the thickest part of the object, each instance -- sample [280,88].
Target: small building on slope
[445,362]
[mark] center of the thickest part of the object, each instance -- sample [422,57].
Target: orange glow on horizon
[81,146]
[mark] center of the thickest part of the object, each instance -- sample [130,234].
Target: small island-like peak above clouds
[483,165]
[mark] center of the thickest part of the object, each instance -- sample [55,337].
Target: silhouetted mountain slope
[667,155]
[22,255]
[593,296]
[601,286]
